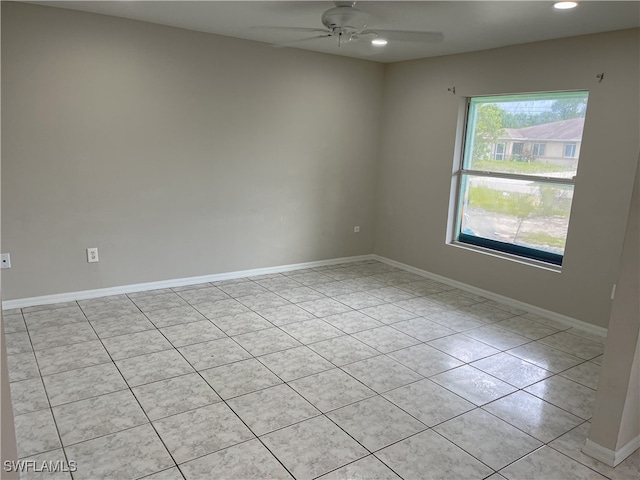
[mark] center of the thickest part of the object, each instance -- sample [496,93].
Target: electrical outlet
[356,229]
[5,260]
[92,255]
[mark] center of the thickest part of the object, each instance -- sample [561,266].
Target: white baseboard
[179,282]
[611,457]
[563,319]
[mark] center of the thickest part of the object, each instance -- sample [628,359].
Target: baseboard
[180,282]
[610,457]
[563,319]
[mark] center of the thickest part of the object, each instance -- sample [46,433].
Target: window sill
[507,256]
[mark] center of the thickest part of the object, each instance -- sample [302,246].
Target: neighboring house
[555,142]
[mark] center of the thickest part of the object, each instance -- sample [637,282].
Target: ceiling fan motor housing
[344,17]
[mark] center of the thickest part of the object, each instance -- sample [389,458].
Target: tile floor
[358,370]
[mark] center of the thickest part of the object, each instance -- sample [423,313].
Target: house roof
[563,130]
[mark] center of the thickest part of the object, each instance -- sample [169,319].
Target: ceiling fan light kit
[565,5]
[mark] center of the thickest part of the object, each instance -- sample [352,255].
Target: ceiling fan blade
[289,29]
[407,35]
[302,40]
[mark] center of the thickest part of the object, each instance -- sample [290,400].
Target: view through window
[518,172]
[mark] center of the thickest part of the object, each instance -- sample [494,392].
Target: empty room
[320,240]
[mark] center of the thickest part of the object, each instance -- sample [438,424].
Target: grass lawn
[542,238]
[522,168]
[518,204]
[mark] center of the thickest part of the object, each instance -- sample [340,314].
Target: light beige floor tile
[533,416]
[272,408]
[36,433]
[243,461]
[587,374]
[512,370]
[131,453]
[376,423]
[239,378]
[134,344]
[428,402]
[83,383]
[263,342]
[175,395]
[473,385]
[489,439]
[368,467]
[204,430]
[28,396]
[574,345]
[22,366]
[352,322]
[423,329]
[566,394]
[463,348]
[386,339]
[192,332]
[214,353]
[153,367]
[312,331]
[331,389]
[429,452]
[98,416]
[547,463]
[382,373]
[425,359]
[313,447]
[497,337]
[174,316]
[545,357]
[71,357]
[295,363]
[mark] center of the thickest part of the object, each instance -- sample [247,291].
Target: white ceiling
[466,25]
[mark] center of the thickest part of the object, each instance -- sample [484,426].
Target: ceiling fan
[346,23]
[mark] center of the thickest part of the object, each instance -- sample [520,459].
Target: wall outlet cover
[92,255]
[5,260]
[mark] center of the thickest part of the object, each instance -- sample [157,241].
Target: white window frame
[457,197]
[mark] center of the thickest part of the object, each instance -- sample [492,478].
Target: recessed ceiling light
[380,42]
[565,5]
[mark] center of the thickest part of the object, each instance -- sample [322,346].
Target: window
[499,155]
[514,206]
[538,150]
[517,150]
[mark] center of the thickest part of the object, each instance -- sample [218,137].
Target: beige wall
[176,153]
[9,449]
[417,152]
[180,154]
[616,417]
